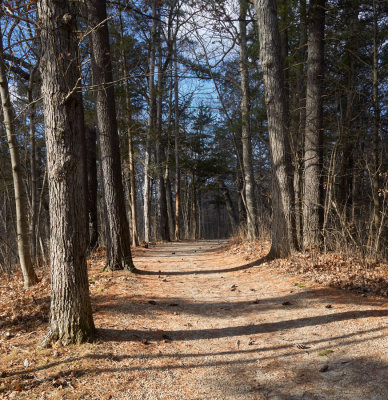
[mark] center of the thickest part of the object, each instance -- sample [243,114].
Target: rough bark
[313,207]
[23,242]
[71,318]
[118,251]
[91,145]
[283,217]
[249,182]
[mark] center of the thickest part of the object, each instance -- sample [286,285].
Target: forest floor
[207,320]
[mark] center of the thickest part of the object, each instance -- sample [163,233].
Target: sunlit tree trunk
[283,217]
[71,318]
[23,242]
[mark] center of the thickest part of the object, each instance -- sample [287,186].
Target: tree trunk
[245,127]
[34,172]
[177,166]
[229,204]
[313,207]
[131,158]
[118,251]
[151,125]
[71,318]
[162,203]
[91,146]
[348,139]
[300,122]
[283,218]
[376,122]
[26,265]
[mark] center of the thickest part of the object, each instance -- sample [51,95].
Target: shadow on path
[216,333]
[255,263]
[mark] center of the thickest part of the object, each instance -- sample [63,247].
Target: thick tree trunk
[71,318]
[313,207]
[283,219]
[91,146]
[245,128]
[118,251]
[26,265]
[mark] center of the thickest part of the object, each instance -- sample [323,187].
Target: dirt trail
[201,323]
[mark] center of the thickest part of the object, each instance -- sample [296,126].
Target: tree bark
[118,251]
[249,182]
[71,318]
[23,243]
[313,207]
[283,218]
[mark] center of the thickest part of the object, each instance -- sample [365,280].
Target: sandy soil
[203,323]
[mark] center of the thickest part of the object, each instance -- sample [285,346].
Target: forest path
[214,324]
[202,323]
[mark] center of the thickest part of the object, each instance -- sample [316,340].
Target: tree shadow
[141,305]
[255,263]
[123,335]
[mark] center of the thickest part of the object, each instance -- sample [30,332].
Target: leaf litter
[222,344]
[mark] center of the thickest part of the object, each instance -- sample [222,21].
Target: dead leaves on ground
[329,269]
